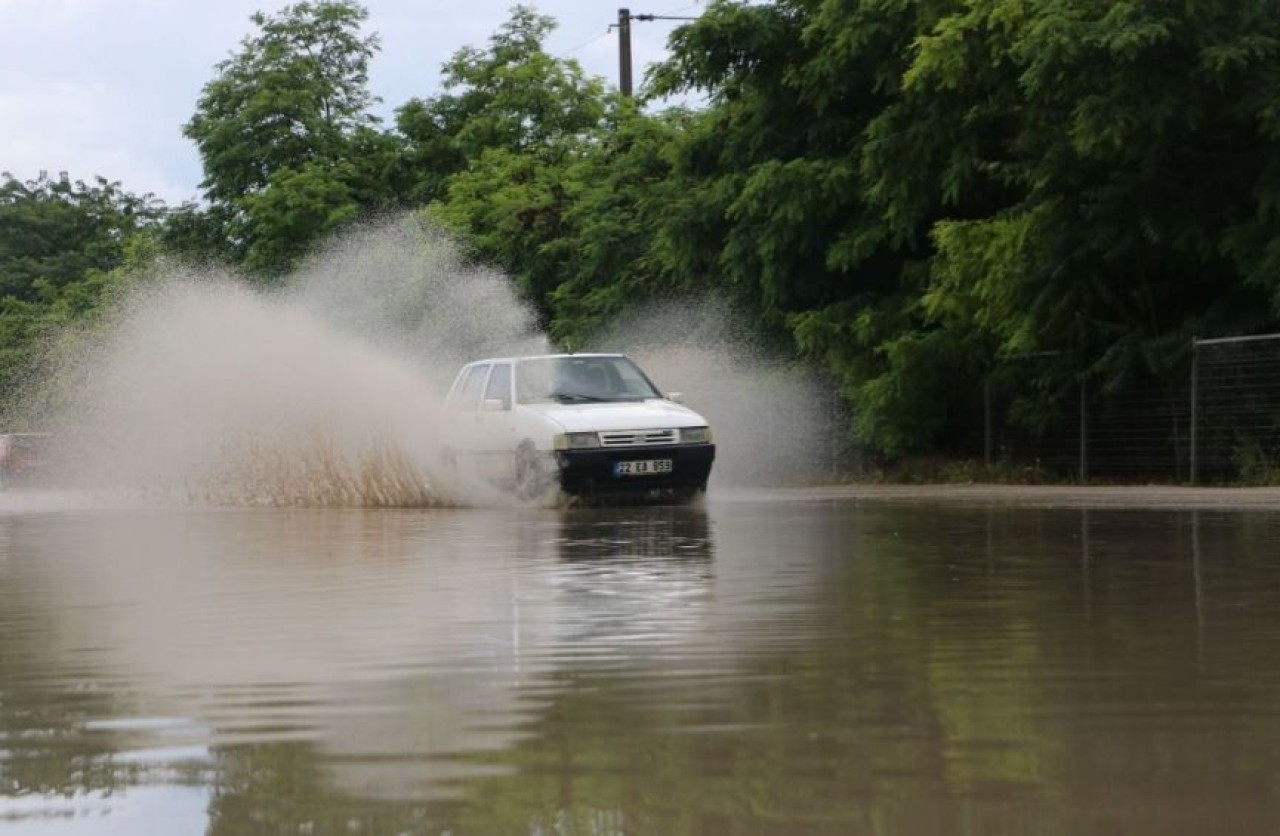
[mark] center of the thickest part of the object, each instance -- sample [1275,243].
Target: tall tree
[1130,142]
[512,96]
[625,199]
[289,148]
[498,150]
[776,206]
[920,188]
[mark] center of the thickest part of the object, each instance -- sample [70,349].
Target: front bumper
[592,471]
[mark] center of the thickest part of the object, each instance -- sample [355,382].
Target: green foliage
[289,149]
[625,198]
[31,329]
[910,193]
[511,209]
[293,94]
[781,208]
[53,232]
[1122,140]
[506,148]
[297,208]
[512,96]
[199,233]
[584,230]
[919,189]
[63,246]
[1255,464]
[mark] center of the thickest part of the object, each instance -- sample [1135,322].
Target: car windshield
[581,379]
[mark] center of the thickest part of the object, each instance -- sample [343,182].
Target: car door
[494,425]
[463,408]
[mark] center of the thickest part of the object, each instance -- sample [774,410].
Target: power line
[647,18]
[606,33]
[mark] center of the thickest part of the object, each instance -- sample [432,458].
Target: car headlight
[577,441]
[696,435]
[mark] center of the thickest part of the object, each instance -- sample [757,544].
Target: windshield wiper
[577,397]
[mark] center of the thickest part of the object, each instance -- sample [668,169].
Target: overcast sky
[102,87]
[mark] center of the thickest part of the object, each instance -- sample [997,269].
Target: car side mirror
[675,397]
[492,405]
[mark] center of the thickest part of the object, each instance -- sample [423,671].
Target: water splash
[199,388]
[774,422]
[196,387]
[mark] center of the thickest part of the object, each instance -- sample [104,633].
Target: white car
[590,424]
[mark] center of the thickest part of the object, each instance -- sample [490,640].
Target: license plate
[644,467]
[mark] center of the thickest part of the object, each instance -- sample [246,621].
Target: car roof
[543,357]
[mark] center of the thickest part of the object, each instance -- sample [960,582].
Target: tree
[65,247]
[56,231]
[513,96]
[775,204]
[284,134]
[625,198]
[1130,140]
[918,189]
[499,149]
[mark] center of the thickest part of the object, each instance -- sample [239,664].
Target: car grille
[637,438]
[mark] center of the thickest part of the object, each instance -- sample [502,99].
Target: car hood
[622,415]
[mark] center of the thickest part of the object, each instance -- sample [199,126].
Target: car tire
[535,473]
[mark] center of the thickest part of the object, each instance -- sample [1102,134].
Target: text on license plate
[644,467]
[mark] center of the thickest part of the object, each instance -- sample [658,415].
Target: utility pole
[624,44]
[624,52]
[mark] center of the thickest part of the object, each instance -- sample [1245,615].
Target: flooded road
[782,663]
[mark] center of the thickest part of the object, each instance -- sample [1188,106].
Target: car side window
[468,394]
[499,388]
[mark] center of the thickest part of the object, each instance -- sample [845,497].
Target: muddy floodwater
[789,662]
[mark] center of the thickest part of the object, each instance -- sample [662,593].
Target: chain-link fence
[1211,417]
[1235,397]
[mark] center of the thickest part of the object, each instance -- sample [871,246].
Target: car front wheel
[535,472]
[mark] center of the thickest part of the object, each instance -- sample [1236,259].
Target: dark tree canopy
[919,189]
[64,247]
[56,231]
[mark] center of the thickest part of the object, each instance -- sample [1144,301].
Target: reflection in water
[395,646]
[670,535]
[756,666]
[631,583]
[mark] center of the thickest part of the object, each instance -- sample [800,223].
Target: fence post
[1084,431]
[1195,408]
[986,423]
